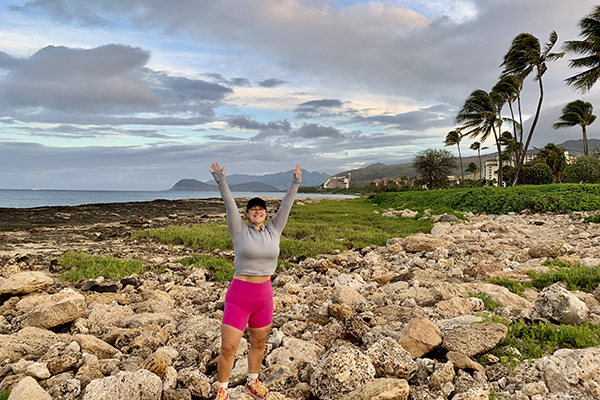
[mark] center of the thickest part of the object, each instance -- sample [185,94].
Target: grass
[489,303]
[512,285]
[5,393]
[86,266]
[536,340]
[492,200]
[312,229]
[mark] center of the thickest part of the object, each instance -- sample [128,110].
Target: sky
[138,94]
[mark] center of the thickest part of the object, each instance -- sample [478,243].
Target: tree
[589,48]
[453,138]
[554,157]
[524,57]
[477,146]
[508,88]
[583,170]
[472,168]
[577,112]
[479,116]
[434,166]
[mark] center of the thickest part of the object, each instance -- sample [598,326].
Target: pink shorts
[248,304]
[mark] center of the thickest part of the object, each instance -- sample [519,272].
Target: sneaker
[256,390]
[222,394]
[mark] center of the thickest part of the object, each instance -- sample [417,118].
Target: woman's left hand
[297,172]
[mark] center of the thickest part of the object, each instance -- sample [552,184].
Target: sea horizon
[35,198]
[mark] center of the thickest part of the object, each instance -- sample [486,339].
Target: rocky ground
[394,322]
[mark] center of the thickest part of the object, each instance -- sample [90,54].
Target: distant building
[337,182]
[394,181]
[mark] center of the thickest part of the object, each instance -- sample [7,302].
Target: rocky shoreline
[397,322]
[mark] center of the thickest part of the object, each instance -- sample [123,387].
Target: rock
[139,385]
[422,242]
[419,337]
[25,282]
[65,389]
[146,337]
[339,311]
[461,361]
[340,371]
[29,342]
[279,377]
[382,389]
[391,359]
[448,218]
[89,371]
[545,249]
[568,369]
[38,371]
[535,388]
[475,339]
[355,328]
[160,360]
[347,296]
[61,308]
[295,352]
[442,376]
[177,394]
[94,286]
[479,393]
[28,389]
[557,303]
[194,380]
[454,307]
[500,295]
[92,345]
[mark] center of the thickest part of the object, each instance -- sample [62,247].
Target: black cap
[257,201]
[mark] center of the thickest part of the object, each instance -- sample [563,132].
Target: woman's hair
[257,201]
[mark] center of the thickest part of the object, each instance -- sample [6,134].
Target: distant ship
[33,188]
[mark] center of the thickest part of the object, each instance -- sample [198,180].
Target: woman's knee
[228,349]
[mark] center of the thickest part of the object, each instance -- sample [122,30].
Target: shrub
[87,266]
[5,393]
[221,270]
[512,285]
[487,301]
[583,170]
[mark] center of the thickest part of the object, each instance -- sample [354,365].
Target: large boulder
[382,389]
[557,303]
[25,282]
[340,371]
[139,385]
[475,339]
[295,352]
[30,343]
[60,308]
[568,369]
[92,345]
[391,359]
[420,336]
[422,242]
[28,389]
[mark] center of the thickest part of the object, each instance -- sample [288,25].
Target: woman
[249,299]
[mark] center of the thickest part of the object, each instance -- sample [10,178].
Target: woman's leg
[230,340]
[258,338]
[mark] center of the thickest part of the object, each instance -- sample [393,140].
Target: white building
[490,167]
[337,182]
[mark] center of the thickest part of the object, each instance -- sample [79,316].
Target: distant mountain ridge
[276,182]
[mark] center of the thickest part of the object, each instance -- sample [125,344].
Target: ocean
[46,198]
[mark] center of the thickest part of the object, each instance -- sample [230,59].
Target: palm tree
[554,157]
[524,57]
[479,116]
[577,112]
[472,168]
[453,138]
[477,146]
[509,88]
[589,48]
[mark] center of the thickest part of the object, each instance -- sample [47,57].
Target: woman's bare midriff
[252,278]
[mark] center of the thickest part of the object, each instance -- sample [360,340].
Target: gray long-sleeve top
[256,251]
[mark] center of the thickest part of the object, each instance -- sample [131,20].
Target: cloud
[419,120]
[244,82]
[271,83]
[283,129]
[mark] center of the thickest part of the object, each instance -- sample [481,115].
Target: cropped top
[256,251]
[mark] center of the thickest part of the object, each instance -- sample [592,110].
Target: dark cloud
[244,122]
[179,89]
[315,131]
[271,83]
[229,82]
[284,129]
[227,138]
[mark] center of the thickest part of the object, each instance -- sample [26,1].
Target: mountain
[280,180]
[193,185]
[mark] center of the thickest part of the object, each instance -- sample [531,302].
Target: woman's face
[256,215]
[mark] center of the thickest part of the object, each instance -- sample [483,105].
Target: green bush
[5,393]
[575,278]
[221,270]
[87,266]
[583,170]
[512,285]
[487,301]
[493,200]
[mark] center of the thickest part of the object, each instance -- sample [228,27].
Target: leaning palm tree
[477,146]
[589,48]
[479,116]
[453,138]
[580,113]
[524,57]
[509,88]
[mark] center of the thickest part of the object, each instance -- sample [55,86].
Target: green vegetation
[86,266]
[312,229]
[512,285]
[5,393]
[593,218]
[487,301]
[535,340]
[221,270]
[493,200]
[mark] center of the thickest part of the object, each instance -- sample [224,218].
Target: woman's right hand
[216,167]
